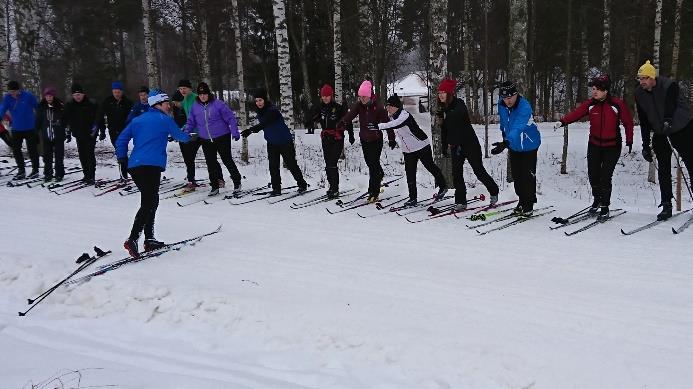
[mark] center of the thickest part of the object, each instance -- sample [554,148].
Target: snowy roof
[413,84]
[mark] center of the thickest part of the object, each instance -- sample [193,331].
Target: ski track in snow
[284,298]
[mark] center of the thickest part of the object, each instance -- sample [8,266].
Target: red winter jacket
[605,117]
[370,114]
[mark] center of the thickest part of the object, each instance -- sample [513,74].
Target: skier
[370,113]
[415,146]
[216,124]
[149,132]
[522,139]
[279,142]
[141,106]
[80,116]
[663,110]
[459,139]
[189,149]
[604,148]
[328,114]
[49,123]
[21,105]
[115,110]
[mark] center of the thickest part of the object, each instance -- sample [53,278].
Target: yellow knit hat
[647,70]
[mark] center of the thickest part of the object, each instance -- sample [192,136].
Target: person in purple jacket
[216,124]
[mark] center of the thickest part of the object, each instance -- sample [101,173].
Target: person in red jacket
[606,113]
[370,113]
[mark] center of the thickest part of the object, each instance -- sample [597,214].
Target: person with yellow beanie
[663,112]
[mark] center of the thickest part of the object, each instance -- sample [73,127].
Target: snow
[301,299]
[413,84]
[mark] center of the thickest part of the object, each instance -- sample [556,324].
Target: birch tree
[337,44]
[517,58]
[674,75]
[438,65]
[242,114]
[284,61]
[606,37]
[150,51]
[4,45]
[568,86]
[652,168]
[203,49]
[28,23]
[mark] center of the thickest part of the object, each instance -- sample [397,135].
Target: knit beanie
[647,70]
[117,85]
[49,90]
[601,82]
[447,86]
[185,83]
[394,101]
[326,90]
[203,89]
[144,89]
[13,85]
[507,89]
[366,89]
[76,88]
[260,93]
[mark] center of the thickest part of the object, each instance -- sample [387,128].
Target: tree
[150,51]
[242,114]
[438,69]
[606,37]
[28,24]
[4,44]
[337,49]
[284,61]
[568,70]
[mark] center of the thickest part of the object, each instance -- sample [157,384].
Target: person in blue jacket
[522,139]
[21,105]
[141,106]
[149,132]
[280,142]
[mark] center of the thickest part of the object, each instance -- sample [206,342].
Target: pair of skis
[674,230]
[582,216]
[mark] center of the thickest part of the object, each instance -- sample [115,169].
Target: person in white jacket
[415,145]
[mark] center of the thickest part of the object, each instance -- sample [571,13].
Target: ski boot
[332,194]
[493,200]
[410,203]
[461,207]
[130,246]
[152,244]
[213,192]
[603,213]
[594,208]
[237,187]
[666,211]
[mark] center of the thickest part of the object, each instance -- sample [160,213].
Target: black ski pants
[473,155]
[147,179]
[87,157]
[31,137]
[219,146]
[288,153]
[524,170]
[54,151]
[601,162]
[332,149]
[411,160]
[123,165]
[189,152]
[683,143]
[371,153]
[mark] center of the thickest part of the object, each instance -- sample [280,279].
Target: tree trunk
[28,22]
[517,58]
[4,45]
[205,71]
[606,38]
[242,114]
[531,78]
[283,61]
[438,65]
[150,52]
[337,44]
[568,86]
[486,76]
[584,65]
[365,41]
[657,34]
[674,75]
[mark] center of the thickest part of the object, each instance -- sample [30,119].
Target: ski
[579,213]
[595,223]
[515,219]
[357,205]
[428,205]
[202,197]
[575,220]
[383,209]
[247,192]
[651,224]
[383,185]
[322,199]
[436,213]
[683,226]
[484,213]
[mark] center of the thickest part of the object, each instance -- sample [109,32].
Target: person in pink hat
[370,113]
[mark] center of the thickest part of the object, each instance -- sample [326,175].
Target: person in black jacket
[459,138]
[80,117]
[114,111]
[49,123]
[328,114]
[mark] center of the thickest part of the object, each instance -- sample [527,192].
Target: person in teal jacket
[149,133]
[522,139]
[22,105]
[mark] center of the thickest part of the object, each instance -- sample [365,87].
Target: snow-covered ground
[301,299]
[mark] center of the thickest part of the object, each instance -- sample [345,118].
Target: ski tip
[21,313]
[179,204]
[674,231]
[623,232]
[29,301]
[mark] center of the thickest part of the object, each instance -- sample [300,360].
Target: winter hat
[177,96]
[203,89]
[117,85]
[13,85]
[448,86]
[507,89]
[326,90]
[157,97]
[366,89]
[261,93]
[647,70]
[49,90]
[601,82]
[394,101]
[144,89]
[76,88]
[185,83]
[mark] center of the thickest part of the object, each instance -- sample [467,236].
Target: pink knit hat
[366,89]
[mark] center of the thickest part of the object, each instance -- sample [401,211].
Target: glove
[194,136]
[94,132]
[557,125]
[170,138]
[630,148]
[498,147]
[102,135]
[246,133]
[666,127]
[236,137]
[310,131]
[647,154]
[68,137]
[392,144]
[372,126]
[444,151]
[351,138]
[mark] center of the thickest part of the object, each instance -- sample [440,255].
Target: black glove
[630,148]
[351,138]
[310,131]
[666,127]
[444,151]
[170,139]
[498,147]
[392,144]
[102,135]
[68,137]
[194,137]
[647,154]
[246,133]
[372,126]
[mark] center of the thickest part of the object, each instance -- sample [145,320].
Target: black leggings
[189,151]
[32,147]
[221,146]
[473,156]
[683,143]
[411,160]
[371,153]
[54,149]
[87,156]
[332,150]
[147,179]
[288,153]
[601,162]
